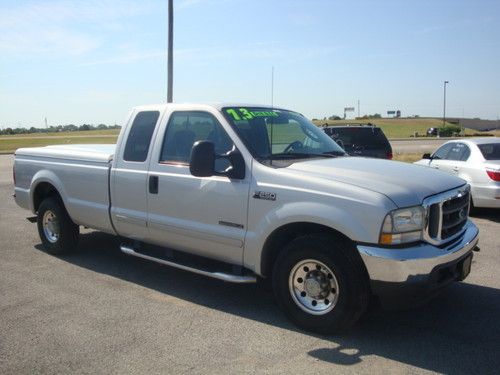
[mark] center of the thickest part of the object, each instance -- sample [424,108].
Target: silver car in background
[477,161]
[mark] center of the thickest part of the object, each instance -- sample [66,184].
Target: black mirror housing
[237,169]
[202,162]
[426,156]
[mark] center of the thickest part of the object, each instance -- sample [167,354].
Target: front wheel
[320,283]
[57,231]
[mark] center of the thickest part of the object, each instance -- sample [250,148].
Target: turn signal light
[385,239]
[494,175]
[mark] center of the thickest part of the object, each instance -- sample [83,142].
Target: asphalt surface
[421,145]
[100,311]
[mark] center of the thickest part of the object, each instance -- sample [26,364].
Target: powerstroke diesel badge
[265,195]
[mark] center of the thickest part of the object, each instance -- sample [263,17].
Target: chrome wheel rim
[313,287]
[50,225]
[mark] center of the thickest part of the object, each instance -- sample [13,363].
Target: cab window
[442,152]
[185,128]
[459,152]
[139,137]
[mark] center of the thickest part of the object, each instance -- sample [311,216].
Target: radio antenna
[272,86]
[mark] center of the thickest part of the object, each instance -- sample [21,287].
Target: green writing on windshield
[239,114]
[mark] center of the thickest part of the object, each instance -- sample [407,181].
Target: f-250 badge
[265,195]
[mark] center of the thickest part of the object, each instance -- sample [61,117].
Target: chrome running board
[216,275]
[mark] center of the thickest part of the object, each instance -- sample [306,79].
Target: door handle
[153,184]
[455,169]
[435,166]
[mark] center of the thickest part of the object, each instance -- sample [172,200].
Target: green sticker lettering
[234,114]
[246,114]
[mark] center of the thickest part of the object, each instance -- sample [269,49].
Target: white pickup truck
[239,192]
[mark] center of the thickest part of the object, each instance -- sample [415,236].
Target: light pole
[170,50]
[444,103]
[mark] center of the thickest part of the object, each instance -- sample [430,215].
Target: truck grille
[447,215]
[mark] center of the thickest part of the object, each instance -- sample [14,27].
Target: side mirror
[202,163]
[426,156]
[237,169]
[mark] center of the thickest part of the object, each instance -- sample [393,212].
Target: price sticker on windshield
[239,114]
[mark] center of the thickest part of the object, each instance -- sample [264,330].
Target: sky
[76,62]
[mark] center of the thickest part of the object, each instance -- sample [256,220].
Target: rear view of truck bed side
[78,173]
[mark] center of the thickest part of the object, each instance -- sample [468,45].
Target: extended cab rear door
[130,173]
[206,216]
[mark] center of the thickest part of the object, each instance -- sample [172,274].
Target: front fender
[362,227]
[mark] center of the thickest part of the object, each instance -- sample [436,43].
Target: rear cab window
[139,136]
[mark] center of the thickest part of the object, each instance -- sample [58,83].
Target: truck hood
[405,184]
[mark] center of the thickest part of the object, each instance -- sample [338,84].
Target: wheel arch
[42,191]
[45,184]
[286,233]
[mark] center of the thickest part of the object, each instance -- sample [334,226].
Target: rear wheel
[320,284]
[57,231]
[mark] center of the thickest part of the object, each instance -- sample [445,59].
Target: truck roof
[187,106]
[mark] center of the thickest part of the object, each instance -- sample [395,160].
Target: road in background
[416,146]
[100,311]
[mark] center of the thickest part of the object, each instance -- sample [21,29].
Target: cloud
[127,58]
[45,41]
[184,4]
[260,51]
[57,27]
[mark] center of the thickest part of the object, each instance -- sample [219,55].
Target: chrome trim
[440,199]
[216,275]
[313,286]
[403,264]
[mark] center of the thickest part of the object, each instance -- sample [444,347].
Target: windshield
[279,134]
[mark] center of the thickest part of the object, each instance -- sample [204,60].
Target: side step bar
[216,275]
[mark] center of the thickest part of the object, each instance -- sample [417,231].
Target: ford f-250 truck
[255,191]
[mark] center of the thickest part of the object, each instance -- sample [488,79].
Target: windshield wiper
[334,153]
[298,155]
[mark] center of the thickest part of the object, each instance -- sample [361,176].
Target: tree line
[58,128]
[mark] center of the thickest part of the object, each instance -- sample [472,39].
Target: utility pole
[170,50]
[358,107]
[444,102]
[46,125]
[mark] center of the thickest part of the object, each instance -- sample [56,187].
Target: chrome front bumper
[417,270]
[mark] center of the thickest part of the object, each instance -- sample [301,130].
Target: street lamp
[444,103]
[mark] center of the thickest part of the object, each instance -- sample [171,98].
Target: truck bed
[81,173]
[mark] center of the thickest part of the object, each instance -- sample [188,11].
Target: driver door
[202,215]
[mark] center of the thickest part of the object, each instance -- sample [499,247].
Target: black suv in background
[361,140]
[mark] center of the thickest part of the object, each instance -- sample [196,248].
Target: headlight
[403,225]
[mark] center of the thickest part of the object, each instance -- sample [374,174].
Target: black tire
[67,231]
[338,254]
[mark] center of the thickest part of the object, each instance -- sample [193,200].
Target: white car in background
[475,160]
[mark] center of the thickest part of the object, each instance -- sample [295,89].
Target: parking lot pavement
[100,311]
